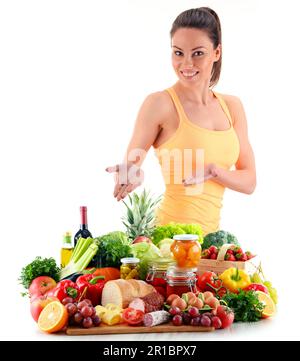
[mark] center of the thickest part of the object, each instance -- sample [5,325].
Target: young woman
[185,119]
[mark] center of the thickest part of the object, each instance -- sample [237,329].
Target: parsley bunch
[246,306]
[39,267]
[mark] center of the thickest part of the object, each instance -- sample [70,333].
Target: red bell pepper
[91,286]
[256,287]
[65,288]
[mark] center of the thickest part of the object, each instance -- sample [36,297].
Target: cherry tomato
[133,316]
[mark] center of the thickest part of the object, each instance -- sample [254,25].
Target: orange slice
[270,307]
[53,317]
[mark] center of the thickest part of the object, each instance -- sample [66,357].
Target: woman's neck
[199,94]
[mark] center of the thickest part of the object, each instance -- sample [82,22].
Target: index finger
[112,169]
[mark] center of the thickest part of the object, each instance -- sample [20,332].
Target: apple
[39,303]
[41,285]
[142,239]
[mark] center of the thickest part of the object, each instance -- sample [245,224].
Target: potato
[171,298]
[180,303]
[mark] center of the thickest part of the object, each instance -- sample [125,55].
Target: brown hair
[202,18]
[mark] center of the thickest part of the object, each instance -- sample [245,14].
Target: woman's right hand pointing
[127,178]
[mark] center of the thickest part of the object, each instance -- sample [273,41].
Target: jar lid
[179,273]
[161,263]
[130,260]
[186,237]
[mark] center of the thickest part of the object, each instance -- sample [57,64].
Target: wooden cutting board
[124,328]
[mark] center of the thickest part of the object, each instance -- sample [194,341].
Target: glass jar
[180,280]
[186,250]
[129,268]
[156,275]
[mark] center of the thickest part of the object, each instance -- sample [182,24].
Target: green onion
[83,253]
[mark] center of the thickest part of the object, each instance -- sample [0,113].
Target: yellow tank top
[220,147]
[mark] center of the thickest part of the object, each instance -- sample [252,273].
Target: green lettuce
[145,252]
[170,229]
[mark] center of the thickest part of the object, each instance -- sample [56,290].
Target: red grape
[67,300]
[205,321]
[93,311]
[87,322]
[177,320]
[174,311]
[193,311]
[96,320]
[186,318]
[86,311]
[86,300]
[195,321]
[81,305]
[78,317]
[71,308]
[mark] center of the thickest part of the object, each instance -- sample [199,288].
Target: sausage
[154,298]
[138,304]
[156,318]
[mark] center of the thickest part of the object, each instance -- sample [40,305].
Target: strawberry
[230,251]
[213,249]
[238,250]
[238,256]
[231,258]
[243,258]
[213,256]
[205,254]
[249,255]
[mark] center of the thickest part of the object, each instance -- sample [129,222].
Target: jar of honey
[186,250]
[180,280]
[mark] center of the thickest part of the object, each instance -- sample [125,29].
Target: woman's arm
[243,178]
[147,127]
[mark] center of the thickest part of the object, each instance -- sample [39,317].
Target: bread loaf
[121,292]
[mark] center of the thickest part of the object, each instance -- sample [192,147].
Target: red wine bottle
[83,231]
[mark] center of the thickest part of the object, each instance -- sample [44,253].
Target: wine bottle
[83,231]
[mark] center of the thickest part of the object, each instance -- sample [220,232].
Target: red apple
[41,285]
[141,239]
[38,304]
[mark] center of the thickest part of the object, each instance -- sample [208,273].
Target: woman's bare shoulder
[235,107]
[231,100]
[161,104]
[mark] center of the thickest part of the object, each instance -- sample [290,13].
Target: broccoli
[218,239]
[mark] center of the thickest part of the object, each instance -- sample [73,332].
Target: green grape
[255,278]
[268,284]
[272,291]
[273,294]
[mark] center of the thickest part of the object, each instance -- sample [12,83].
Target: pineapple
[140,217]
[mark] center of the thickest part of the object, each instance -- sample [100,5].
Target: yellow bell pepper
[235,279]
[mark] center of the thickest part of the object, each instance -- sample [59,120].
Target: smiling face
[193,55]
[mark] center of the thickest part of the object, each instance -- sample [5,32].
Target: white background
[73,75]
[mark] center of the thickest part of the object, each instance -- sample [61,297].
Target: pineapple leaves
[140,214]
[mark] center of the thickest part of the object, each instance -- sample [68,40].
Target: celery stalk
[83,253]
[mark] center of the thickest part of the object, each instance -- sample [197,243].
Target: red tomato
[226,315]
[133,316]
